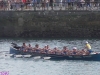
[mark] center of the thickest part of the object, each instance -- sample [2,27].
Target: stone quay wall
[50,24]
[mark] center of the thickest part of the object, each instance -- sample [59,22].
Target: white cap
[86,42]
[74,47]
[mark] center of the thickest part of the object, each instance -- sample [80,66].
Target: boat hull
[91,57]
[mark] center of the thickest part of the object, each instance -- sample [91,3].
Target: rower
[65,50]
[44,50]
[83,52]
[74,51]
[29,47]
[37,49]
[88,47]
[55,50]
[48,47]
[24,47]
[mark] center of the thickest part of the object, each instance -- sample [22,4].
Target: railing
[12,6]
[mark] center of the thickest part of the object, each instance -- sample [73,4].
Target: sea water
[30,66]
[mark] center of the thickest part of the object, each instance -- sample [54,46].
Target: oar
[9,55]
[4,51]
[98,52]
[46,58]
[27,56]
[18,56]
[37,57]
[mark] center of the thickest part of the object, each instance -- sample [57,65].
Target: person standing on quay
[24,2]
[43,4]
[60,4]
[51,4]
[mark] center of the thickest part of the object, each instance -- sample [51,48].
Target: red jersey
[24,1]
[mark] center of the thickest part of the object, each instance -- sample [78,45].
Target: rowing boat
[92,56]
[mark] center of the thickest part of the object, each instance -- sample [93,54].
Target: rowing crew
[64,51]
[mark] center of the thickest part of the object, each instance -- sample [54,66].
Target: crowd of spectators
[45,4]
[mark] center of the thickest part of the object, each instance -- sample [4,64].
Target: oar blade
[18,56]
[26,56]
[46,58]
[37,57]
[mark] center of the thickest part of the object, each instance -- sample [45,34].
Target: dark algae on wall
[48,24]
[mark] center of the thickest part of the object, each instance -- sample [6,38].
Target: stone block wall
[50,24]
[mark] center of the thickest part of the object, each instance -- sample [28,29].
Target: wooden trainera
[95,56]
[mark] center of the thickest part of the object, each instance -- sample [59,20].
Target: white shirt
[60,0]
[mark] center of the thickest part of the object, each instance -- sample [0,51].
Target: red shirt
[24,1]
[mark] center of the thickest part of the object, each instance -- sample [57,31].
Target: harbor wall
[50,24]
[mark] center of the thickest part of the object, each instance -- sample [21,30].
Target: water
[30,66]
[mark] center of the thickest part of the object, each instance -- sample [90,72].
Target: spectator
[9,5]
[34,4]
[82,2]
[18,6]
[47,4]
[1,4]
[69,3]
[24,3]
[51,4]
[95,3]
[38,3]
[60,3]
[13,5]
[43,4]
[87,3]
[27,4]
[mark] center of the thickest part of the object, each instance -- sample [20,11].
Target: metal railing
[12,6]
